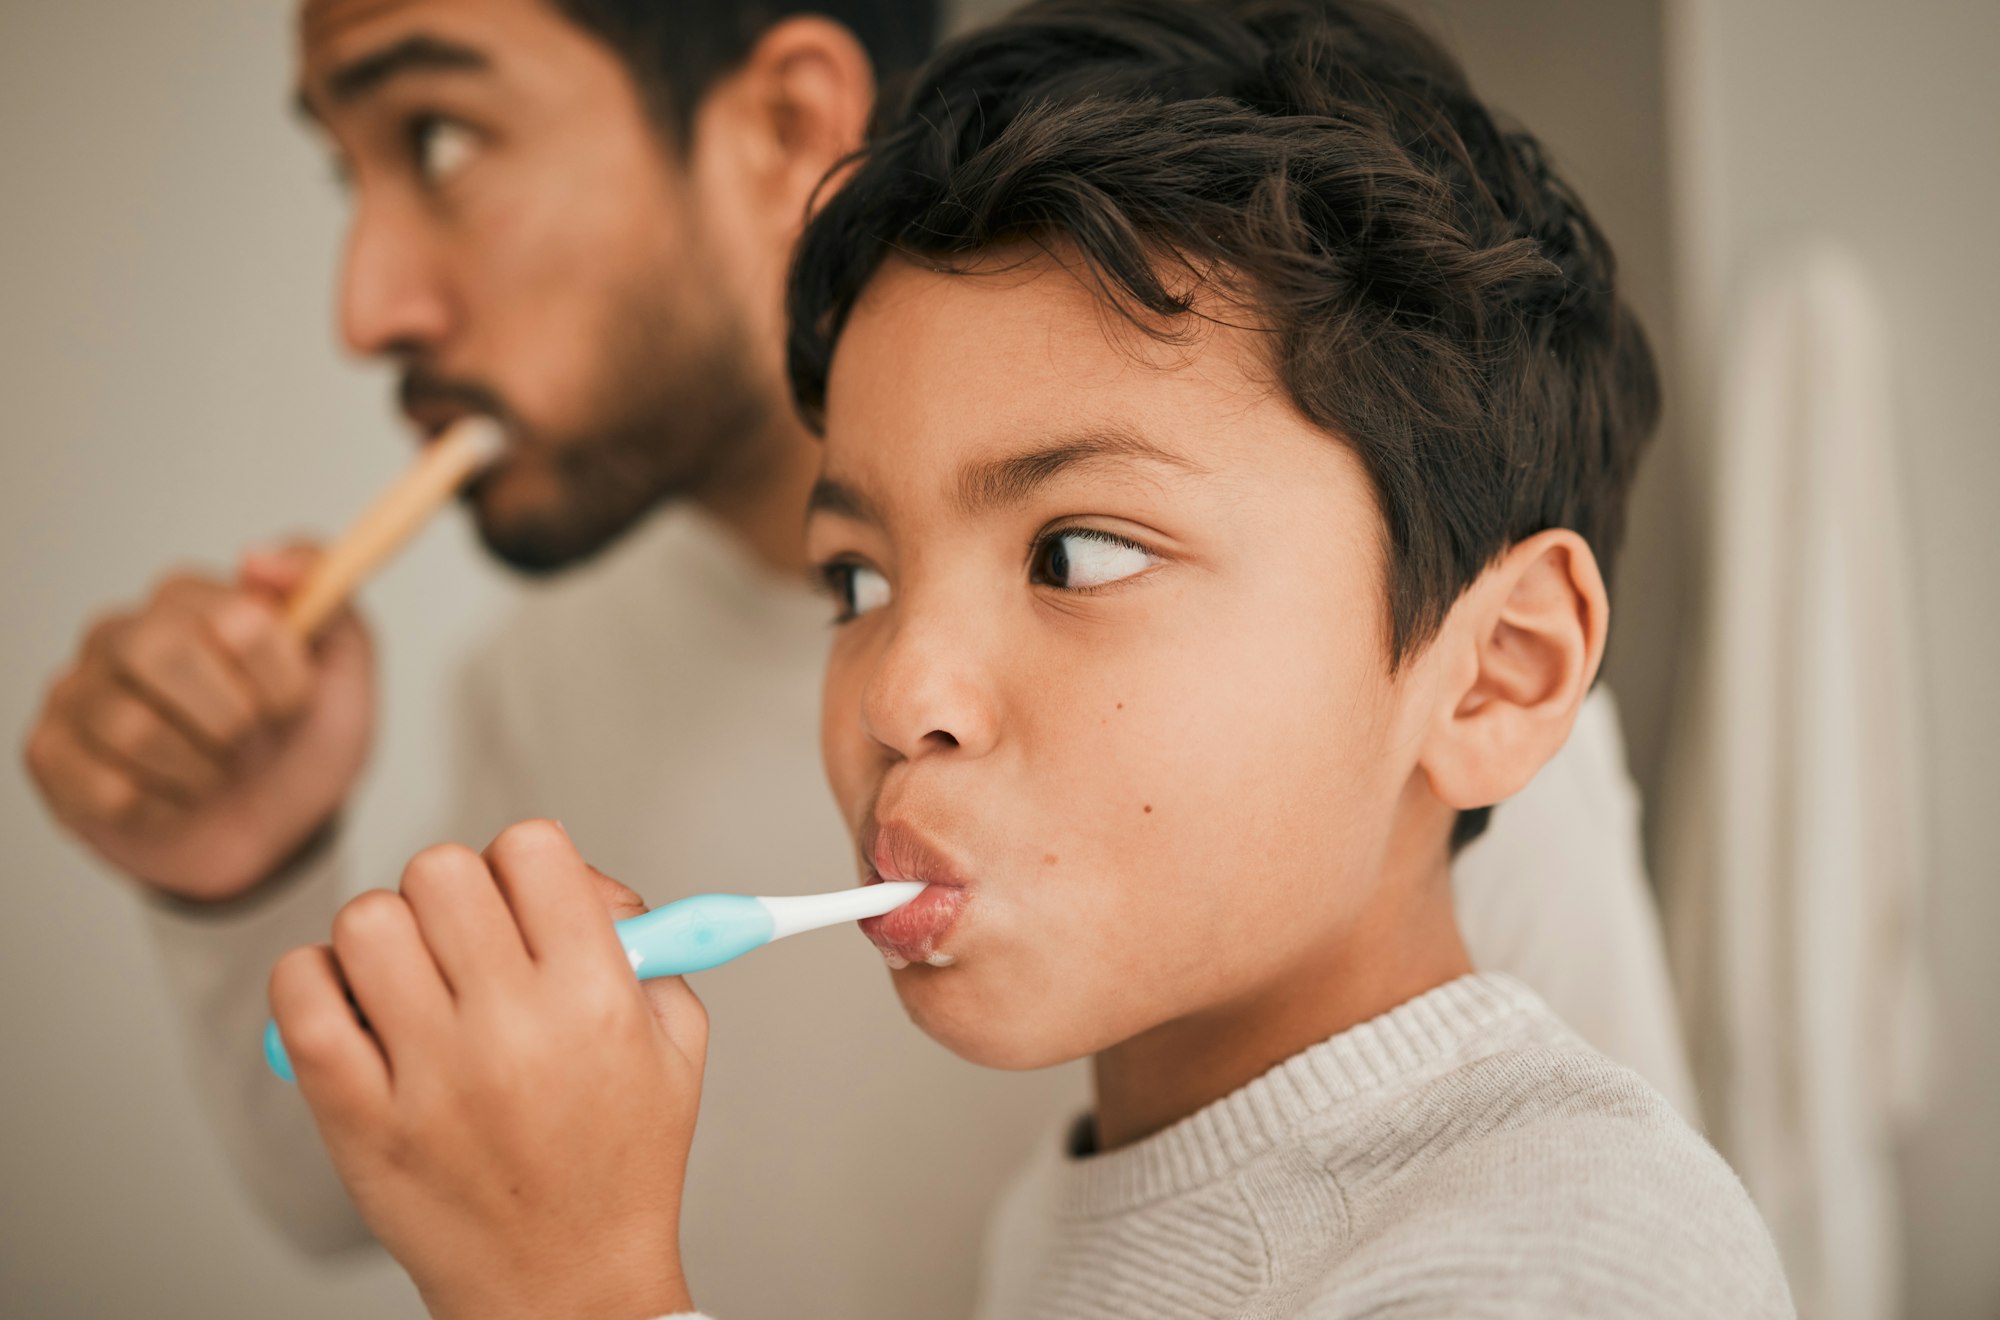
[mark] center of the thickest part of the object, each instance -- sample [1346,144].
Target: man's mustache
[421,391]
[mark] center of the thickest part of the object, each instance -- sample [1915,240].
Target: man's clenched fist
[194,743]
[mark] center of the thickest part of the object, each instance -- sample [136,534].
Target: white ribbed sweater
[1462,1155]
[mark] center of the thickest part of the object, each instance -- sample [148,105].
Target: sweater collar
[1402,1045]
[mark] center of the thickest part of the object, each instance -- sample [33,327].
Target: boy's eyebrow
[1004,481]
[997,482]
[417,54]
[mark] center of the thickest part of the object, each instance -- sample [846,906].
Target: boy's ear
[1517,656]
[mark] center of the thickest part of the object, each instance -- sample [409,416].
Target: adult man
[575,215]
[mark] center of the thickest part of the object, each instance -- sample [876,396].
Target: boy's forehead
[947,370]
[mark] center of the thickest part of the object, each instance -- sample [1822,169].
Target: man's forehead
[333,29]
[322,22]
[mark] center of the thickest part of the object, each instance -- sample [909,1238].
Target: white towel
[1792,844]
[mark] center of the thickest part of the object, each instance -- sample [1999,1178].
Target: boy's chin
[975,1028]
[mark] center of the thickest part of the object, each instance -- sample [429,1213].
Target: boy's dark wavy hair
[1435,296]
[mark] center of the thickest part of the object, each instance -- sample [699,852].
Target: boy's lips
[911,933]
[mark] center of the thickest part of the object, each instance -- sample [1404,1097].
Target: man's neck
[768,510]
[1404,944]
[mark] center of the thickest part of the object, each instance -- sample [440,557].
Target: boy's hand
[514,1121]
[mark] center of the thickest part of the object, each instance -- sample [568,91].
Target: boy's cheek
[1034,1006]
[1090,936]
[844,751]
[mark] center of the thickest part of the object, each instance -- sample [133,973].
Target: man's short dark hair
[679,49]
[1433,293]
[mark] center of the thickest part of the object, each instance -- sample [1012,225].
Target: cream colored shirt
[662,703]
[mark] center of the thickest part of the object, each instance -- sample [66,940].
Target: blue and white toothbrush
[707,930]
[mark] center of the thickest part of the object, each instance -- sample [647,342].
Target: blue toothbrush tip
[274,1053]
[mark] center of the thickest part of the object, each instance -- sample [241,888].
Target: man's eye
[1082,558]
[441,147]
[856,588]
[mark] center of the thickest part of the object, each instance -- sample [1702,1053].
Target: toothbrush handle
[690,935]
[694,934]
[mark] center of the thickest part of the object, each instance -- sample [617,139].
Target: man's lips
[434,420]
[432,402]
[912,933]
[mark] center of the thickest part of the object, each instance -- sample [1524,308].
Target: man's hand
[194,743]
[514,1120]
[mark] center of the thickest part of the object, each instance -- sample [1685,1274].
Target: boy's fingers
[552,894]
[463,918]
[334,1057]
[395,981]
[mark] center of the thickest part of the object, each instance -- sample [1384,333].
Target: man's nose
[394,299]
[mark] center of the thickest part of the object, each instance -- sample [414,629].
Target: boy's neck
[1407,942]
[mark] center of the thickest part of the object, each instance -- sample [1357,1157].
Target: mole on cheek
[1149,810]
[1049,859]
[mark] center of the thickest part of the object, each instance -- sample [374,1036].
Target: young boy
[1227,434]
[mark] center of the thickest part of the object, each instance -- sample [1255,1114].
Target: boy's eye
[857,589]
[1081,558]
[441,147]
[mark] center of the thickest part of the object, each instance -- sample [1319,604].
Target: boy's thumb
[618,900]
[680,1015]
[673,1002]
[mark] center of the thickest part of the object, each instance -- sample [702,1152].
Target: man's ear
[1517,656]
[802,101]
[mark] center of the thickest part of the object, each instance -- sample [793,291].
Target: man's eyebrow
[417,54]
[1010,480]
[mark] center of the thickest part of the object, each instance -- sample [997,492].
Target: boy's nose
[928,695]
[393,298]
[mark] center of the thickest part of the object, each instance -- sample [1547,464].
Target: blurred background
[1798,189]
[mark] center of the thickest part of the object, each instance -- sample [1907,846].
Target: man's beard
[677,419]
